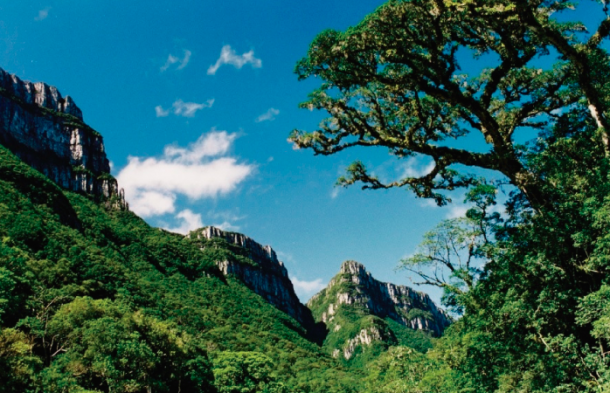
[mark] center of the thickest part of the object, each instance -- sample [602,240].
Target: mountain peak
[47,131]
[372,308]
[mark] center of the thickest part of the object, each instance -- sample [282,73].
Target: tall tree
[399,80]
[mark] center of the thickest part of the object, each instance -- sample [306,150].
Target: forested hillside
[505,100]
[93,299]
[507,105]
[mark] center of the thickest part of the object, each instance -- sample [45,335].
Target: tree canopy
[531,285]
[400,80]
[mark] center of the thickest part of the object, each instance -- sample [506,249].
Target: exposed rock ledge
[47,132]
[397,302]
[267,277]
[365,337]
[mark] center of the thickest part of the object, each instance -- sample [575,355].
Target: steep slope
[363,315]
[93,299]
[47,132]
[112,304]
[257,266]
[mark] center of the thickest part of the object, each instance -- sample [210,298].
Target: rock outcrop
[385,300]
[47,131]
[356,302]
[397,302]
[266,276]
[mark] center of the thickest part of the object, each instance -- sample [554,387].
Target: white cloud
[185,109]
[305,289]
[457,208]
[415,168]
[185,59]
[200,170]
[160,112]
[427,203]
[457,211]
[269,115]
[188,109]
[171,60]
[43,14]
[190,221]
[212,144]
[228,56]
[152,203]
[335,192]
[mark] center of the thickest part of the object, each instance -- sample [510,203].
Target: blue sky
[195,100]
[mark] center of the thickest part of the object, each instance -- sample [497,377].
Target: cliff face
[356,302]
[397,302]
[47,132]
[264,273]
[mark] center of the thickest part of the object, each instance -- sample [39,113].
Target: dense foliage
[92,299]
[531,285]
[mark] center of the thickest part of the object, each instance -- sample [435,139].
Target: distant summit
[360,311]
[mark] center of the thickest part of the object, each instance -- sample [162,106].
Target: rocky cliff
[260,270]
[359,310]
[47,131]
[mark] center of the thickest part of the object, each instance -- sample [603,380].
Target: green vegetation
[217,249]
[531,286]
[93,299]
[344,322]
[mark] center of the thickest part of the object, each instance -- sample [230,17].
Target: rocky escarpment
[397,302]
[261,271]
[359,310]
[47,131]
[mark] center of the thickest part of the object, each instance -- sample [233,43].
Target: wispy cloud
[200,170]
[335,192]
[227,226]
[182,62]
[305,289]
[457,210]
[225,216]
[285,256]
[229,56]
[181,108]
[414,167]
[160,112]
[188,109]
[268,116]
[188,221]
[42,14]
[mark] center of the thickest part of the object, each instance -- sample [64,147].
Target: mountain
[94,299]
[47,131]
[364,315]
[256,266]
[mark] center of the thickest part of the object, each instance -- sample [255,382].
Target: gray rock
[383,299]
[268,276]
[47,132]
